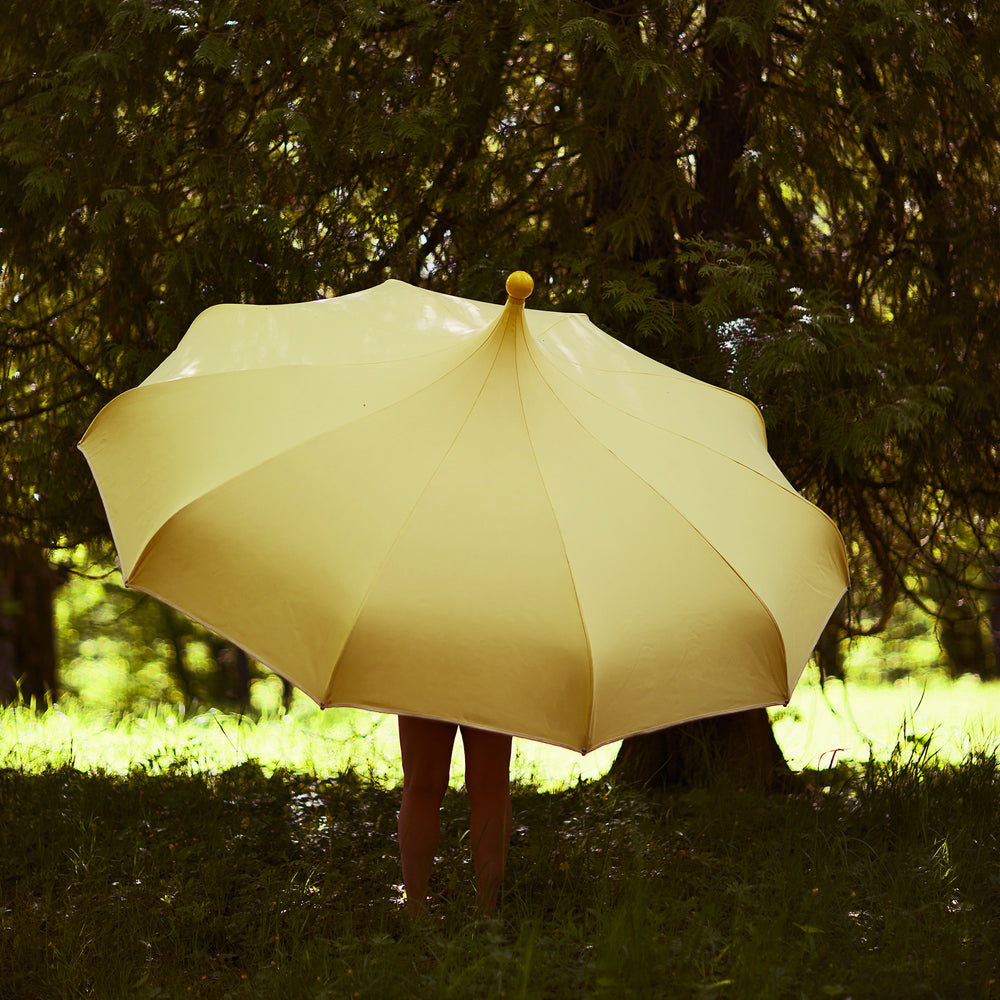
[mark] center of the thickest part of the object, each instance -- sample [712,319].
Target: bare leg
[487,780]
[425,746]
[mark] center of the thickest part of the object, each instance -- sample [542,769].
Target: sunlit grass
[854,721]
[820,726]
[304,738]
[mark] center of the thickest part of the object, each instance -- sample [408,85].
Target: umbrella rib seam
[672,373]
[569,566]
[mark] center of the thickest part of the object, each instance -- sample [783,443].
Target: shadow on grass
[251,884]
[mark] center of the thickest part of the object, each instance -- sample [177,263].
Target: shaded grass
[258,883]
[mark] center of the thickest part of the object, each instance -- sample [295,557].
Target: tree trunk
[828,653]
[232,672]
[727,117]
[960,634]
[730,751]
[242,677]
[174,626]
[27,633]
[994,612]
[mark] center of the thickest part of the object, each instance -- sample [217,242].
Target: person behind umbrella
[426,747]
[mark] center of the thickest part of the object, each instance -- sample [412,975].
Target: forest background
[795,201]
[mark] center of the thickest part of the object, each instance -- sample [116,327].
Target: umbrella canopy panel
[409,502]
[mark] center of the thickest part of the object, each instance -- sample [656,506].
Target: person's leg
[487,780]
[425,746]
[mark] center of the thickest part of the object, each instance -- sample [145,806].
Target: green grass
[856,720]
[303,738]
[819,727]
[160,855]
[250,884]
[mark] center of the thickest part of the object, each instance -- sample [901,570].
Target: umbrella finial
[520,285]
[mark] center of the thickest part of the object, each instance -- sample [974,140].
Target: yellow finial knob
[520,285]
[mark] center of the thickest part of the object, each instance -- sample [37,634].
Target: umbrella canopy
[410,502]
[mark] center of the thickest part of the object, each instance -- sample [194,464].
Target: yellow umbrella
[410,502]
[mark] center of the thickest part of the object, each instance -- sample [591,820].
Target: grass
[205,858]
[821,725]
[249,884]
[305,738]
[854,721]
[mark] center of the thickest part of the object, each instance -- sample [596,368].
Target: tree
[27,644]
[796,201]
